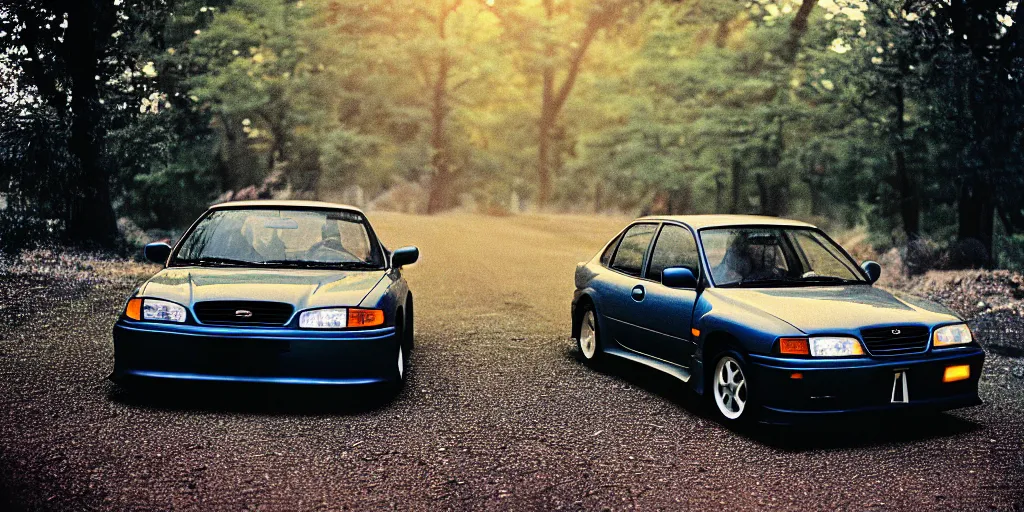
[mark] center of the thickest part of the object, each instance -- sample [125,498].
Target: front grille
[232,312]
[896,340]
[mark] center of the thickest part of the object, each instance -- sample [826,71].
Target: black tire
[588,336]
[410,326]
[733,403]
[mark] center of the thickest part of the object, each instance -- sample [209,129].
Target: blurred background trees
[901,117]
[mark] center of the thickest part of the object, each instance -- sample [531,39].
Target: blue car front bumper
[273,355]
[844,387]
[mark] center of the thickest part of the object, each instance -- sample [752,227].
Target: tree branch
[597,21]
[46,84]
[797,29]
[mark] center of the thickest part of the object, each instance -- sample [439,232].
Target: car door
[622,291]
[669,311]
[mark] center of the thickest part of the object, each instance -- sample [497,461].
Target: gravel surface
[498,412]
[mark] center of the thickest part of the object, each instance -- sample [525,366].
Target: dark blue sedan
[769,319]
[271,291]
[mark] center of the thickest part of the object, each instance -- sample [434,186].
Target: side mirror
[679,277]
[404,256]
[872,269]
[157,252]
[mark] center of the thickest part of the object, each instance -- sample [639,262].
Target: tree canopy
[901,116]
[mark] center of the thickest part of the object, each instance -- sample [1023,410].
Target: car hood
[836,309]
[303,288]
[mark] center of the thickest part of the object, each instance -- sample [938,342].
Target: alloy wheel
[588,336]
[401,362]
[730,388]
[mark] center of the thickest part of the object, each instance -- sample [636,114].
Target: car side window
[675,247]
[629,257]
[606,256]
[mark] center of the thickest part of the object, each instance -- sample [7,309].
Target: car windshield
[776,256]
[280,237]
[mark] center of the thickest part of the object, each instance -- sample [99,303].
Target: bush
[19,232]
[922,255]
[967,253]
[1010,252]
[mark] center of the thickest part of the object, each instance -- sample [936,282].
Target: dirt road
[498,412]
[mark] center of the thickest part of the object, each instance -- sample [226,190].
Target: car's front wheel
[402,362]
[401,368]
[730,388]
[587,342]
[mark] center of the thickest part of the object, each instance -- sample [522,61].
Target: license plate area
[900,388]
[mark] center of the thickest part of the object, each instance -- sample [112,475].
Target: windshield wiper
[320,264]
[761,282]
[830,279]
[755,283]
[215,262]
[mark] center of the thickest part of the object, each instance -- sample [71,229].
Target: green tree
[64,59]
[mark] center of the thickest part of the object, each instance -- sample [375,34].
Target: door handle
[638,293]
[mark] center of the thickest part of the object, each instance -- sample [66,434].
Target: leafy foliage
[903,116]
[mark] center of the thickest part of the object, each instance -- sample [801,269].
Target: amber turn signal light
[955,373]
[794,346]
[134,309]
[365,317]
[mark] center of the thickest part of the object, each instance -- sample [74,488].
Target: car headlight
[952,335]
[340,318]
[335,318]
[835,346]
[154,309]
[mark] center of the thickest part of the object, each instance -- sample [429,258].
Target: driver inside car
[330,236]
[749,261]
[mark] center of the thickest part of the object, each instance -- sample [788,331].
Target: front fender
[388,295]
[721,320]
[752,330]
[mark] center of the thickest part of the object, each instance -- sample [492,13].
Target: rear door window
[629,257]
[606,256]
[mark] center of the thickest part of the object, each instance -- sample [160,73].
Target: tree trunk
[772,203]
[719,192]
[815,182]
[739,175]
[679,200]
[772,195]
[91,219]
[544,157]
[976,212]
[764,193]
[546,117]
[441,182]
[722,34]
[552,98]
[797,29]
[910,204]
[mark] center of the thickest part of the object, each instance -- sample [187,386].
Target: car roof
[284,203]
[716,221]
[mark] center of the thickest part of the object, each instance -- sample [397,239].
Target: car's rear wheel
[588,341]
[730,388]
